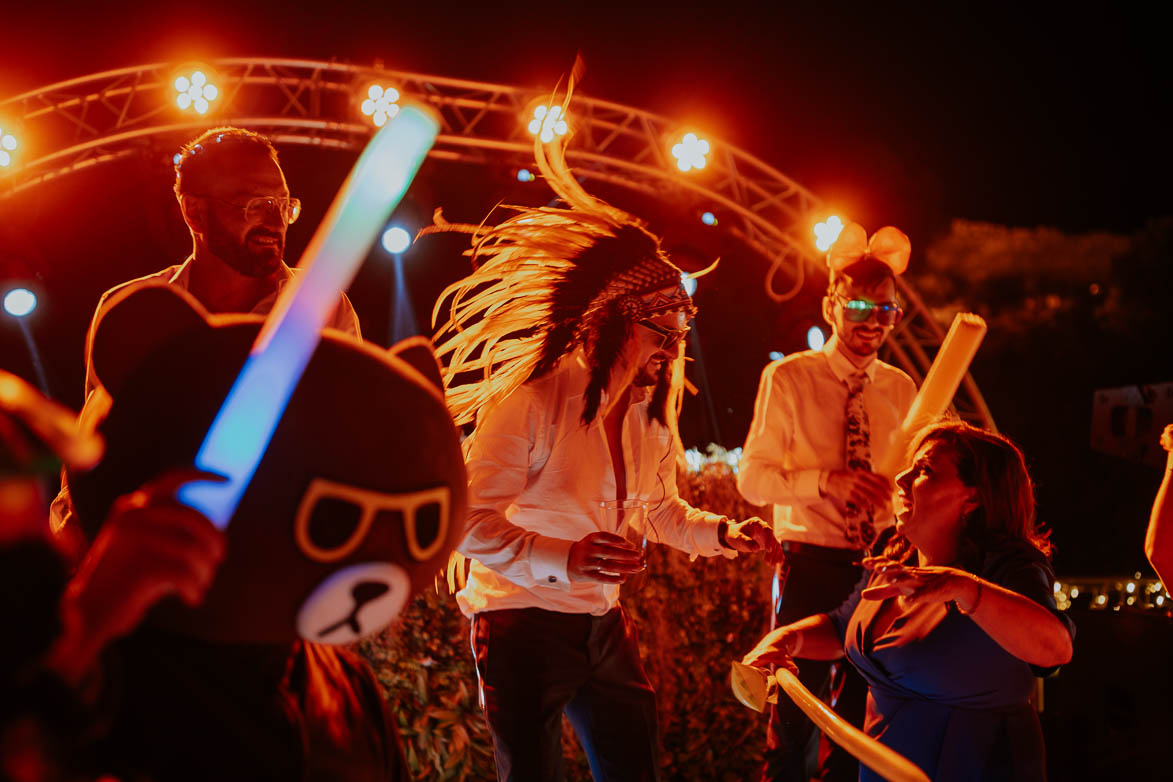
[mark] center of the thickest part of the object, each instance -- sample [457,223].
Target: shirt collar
[182,277]
[841,365]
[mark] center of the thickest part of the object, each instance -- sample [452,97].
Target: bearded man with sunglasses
[822,418]
[233,196]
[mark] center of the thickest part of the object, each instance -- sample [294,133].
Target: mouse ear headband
[888,245]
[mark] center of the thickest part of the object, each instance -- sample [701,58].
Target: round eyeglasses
[256,209]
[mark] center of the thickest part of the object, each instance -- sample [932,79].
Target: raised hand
[149,547]
[754,535]
[926,585]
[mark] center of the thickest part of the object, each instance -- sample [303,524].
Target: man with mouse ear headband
[822,419]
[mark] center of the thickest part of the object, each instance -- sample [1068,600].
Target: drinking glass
[628,519]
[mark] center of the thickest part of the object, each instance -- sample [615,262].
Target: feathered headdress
[546,281]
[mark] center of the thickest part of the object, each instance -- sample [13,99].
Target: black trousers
[819,580]
[536,664]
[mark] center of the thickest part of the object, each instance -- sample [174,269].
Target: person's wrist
[723,533]
[793,643]
[976,597]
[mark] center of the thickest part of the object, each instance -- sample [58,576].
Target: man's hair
[201,159]
[865,273]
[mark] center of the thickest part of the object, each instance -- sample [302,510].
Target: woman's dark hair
[995,468]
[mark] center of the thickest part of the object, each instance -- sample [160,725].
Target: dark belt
[824,553]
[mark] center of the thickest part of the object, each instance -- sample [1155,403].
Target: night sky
[896,114]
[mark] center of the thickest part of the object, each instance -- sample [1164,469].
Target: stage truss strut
[99,118]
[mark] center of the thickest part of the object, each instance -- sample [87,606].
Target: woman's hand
[776,648]
[915,585]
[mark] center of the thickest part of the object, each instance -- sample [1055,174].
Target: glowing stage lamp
[777,355]
[547,122]
[7,146]
[690,152]
[396,240]
[381,104]
[708,218]
[20,302]
[525,175]
[815,338]
[827,232]
[195,92]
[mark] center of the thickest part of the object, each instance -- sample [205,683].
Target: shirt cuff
[707,541]
[807,484]
[548,561]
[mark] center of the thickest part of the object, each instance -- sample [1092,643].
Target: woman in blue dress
[954,619]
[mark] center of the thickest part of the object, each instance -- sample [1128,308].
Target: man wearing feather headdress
[822,418]
[565,345]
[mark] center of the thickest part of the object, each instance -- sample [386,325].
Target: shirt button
[552,579]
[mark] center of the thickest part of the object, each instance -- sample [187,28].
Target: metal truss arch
[94,119]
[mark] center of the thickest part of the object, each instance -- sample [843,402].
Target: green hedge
[694,618]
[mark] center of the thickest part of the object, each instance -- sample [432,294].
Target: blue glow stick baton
[243,427]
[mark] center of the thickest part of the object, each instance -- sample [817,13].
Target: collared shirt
[798,434]
[179,275]
[537,478]
[97,401]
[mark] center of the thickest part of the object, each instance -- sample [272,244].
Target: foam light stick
[945,375]
[751,686]
[244,425]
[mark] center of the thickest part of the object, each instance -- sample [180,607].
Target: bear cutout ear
[417,352]
[133,322]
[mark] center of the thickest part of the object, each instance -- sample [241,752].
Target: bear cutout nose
[362,593]
[355,601]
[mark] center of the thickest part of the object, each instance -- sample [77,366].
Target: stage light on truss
[547,122]
[381,104]
[827,232]
[20,302]
[690,152]
[525,175]
[708,218]
[396,240]
[815,338]
[195,91]
[8,145]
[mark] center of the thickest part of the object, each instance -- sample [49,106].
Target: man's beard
[647,377]
[260,262]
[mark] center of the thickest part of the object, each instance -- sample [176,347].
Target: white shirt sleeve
[498,460]
[762,477]
[676,523]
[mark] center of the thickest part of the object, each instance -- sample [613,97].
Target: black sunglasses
[669,338]
[888,313]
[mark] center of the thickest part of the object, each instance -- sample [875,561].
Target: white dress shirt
[798,434]
[537,478]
